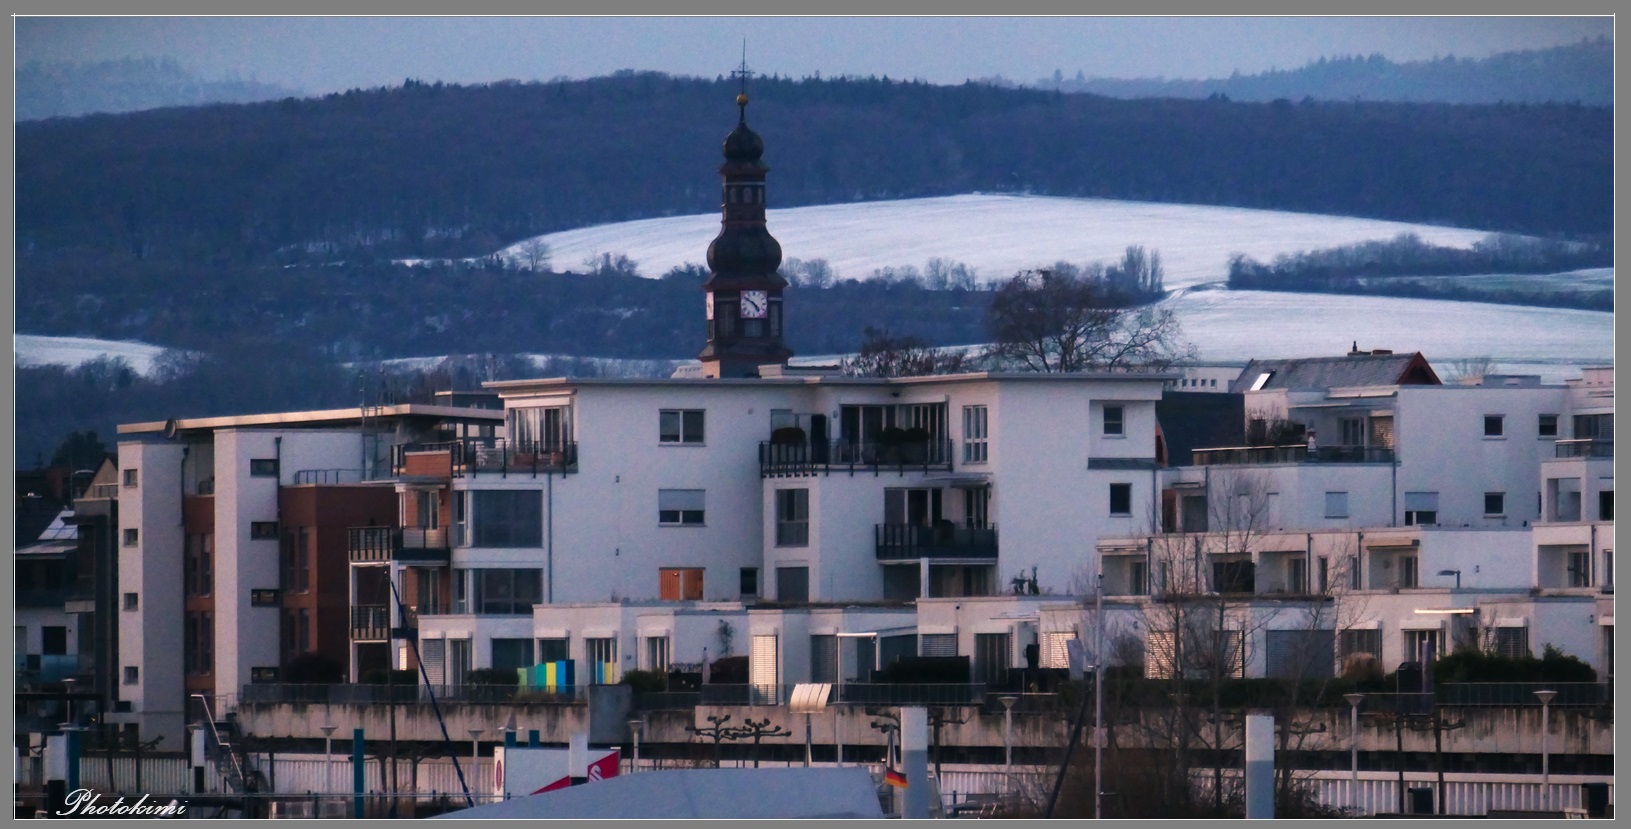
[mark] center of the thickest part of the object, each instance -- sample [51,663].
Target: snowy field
[996,235]
[71,351]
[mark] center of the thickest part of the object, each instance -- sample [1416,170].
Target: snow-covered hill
[34,350]
[997,235]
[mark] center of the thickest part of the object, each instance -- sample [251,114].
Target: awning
[973,480]
[1511,622]
[1429,623]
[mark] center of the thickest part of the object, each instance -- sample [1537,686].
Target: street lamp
[1545,732]
[328,757]
[1008,731]
[1456,573]
[1353,737]
[634,729]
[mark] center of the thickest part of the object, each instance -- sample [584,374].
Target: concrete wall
[150,638]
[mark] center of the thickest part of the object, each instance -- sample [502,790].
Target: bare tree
[886,355]
[1065,319]
[535,253]
[1468,369]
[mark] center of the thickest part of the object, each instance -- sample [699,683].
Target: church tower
[744,292]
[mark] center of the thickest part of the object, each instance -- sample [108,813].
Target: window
[507,518]
[132,601]
[130,477]
[544,428]
[497,591]
[552,650]
[680,507]
[1324,570]
[133,674]
[1579,569]
[263,530]
[1494,504]
[1494,426]
[676,584]
[131,536]
[1234,576]
[198,643]
[937,644]
[792,584]
[792,517]
[54,640]
[1409,571]
[1354,642]
[1113,420]
[601,654]
[263,466]
[1055,647]
[1508,638]
[1121,499]
[992,658]
[1297,575]
[1136,576]
[1420,508]
[1605,505]
[824,658]
[657,653]
[974,434]
[265,597]
[1548,426]
[748,582]
[1421,645]
[1353,573]
[679,426]
[512,654]
[1336,505]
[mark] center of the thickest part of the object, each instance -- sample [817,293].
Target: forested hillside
[435,170]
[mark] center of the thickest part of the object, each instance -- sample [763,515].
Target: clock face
[754,305]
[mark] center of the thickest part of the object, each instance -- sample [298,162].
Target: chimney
[1355,352]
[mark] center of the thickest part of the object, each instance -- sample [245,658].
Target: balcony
[370,623]
[1585,448]
[473,456]
[413,545]
[1295,453]
[811,458]
[907,542]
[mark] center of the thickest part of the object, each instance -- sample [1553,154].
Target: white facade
[150,565]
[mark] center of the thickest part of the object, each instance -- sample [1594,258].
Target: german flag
[894,778]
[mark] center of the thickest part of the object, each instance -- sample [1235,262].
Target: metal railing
[472,456]
[855,693]
[809,458]
[380,544]
[1296,453]
[370,622]
[1585,448]
[327,476]
[946,540]
[1522,694]
[370,694]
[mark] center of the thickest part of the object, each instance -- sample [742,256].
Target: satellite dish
[170,428]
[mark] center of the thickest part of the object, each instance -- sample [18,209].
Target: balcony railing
[473,456]
[327,476]
[407,544]
[283,693]
[103,491]
[945,540]
[1585,448]
[370,623]
[810,458]
[1296,453]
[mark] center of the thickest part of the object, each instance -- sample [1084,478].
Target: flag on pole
[894,778]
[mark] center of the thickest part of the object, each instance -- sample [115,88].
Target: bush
[730,670]
[492,676]
[787,434]
[645,682]
[1475,665]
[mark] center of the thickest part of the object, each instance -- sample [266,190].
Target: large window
[680,507]
[552,650]
[1509,638]
[792,517]
[656,656]
[544,428]
[507,518]
[497,591]
[680,426]
[974,434]
[512,654]
[792,584]
[1355,641]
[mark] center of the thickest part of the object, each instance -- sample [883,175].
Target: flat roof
[314,418]
[828,380]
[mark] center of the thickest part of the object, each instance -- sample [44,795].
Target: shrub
[729,670]
[645,682]
[492,676]
[787,434]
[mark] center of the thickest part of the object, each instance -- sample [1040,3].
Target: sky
[318,55]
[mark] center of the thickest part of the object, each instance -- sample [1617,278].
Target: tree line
[430,170]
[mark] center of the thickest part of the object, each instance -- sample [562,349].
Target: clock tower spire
[744,292]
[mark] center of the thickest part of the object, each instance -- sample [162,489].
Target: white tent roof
[847,792]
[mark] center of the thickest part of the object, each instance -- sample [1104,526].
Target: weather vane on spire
[743,74]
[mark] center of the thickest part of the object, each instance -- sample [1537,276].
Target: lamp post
[634,729]
[1545,733]
[328,757]
[1353,738]
[1456,573]
[1008,732]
